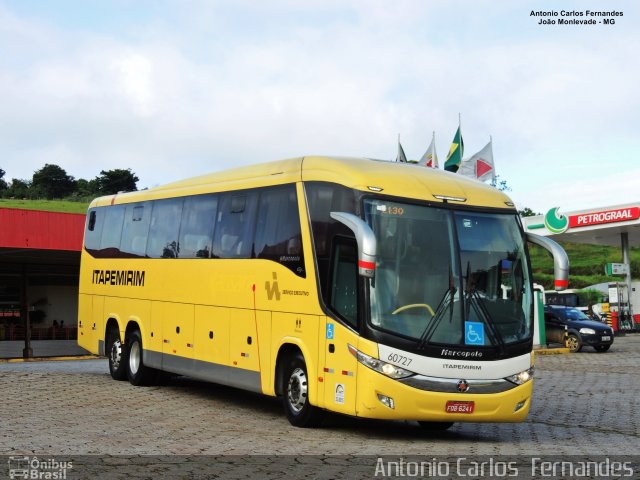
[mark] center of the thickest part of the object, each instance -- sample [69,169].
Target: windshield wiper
[447,300]
[474,300]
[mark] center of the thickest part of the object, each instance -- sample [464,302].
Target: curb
[47,359]
[551,351]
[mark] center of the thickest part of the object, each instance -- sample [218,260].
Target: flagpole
[433,155]
[494,164]
[461,147]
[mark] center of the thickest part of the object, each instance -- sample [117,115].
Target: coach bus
[369,288]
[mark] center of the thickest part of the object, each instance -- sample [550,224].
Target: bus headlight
[522,377]
[379,366]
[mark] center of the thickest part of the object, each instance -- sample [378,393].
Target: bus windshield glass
[449,277]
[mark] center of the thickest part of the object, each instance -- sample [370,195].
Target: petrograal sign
[606,216]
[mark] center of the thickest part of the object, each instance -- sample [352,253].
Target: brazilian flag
[454,158]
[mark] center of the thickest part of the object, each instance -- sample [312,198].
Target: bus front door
[340,368]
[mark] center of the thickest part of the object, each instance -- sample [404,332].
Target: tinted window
[112,230]
[233,236]
[344,282]
[93,232]
[322,199]
[196,230]
[136,229]
[164,228]
[278,236]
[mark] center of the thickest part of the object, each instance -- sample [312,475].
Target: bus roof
[391,178]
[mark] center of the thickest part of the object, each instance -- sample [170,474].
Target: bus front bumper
[384,398]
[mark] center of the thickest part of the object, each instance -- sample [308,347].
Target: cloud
[184,91]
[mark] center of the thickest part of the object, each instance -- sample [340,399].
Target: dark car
[581,330]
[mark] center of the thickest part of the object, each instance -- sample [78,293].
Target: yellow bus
[369,288]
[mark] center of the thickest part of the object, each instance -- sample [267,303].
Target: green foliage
[52,181]
[114,181]
[527,212]
[18,189]
[590,296]
[500,184]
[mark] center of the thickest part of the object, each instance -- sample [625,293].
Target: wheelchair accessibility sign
[329,331]
[473,333]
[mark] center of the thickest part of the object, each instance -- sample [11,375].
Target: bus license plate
[459,407]
[606,338]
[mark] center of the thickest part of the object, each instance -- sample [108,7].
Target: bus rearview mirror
[366,240]
[560,259]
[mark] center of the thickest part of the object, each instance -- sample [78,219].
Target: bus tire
[137,372]
[116,352]
[297,408]
[435,426]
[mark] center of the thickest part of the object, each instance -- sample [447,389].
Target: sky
[174,89]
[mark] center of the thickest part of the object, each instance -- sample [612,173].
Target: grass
[587,264]
[65,206]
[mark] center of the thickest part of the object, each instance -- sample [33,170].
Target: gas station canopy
[599,226]
[618,225]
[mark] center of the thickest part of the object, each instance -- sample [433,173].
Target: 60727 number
[399,359]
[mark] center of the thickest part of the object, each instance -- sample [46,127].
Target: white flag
[401,156]
[479,165]
[430,157]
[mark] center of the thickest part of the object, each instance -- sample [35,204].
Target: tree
[3,184]
[86,188]
[19,189]
[118,180]
[52,181]
[500,184]
[527,212]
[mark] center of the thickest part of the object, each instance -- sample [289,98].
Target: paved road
[584,404]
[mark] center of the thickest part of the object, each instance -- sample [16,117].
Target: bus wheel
[436,426]
[117,356]
[138,373]
[296,395]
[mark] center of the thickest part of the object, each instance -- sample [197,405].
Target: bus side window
[165,225]
[278,235]
[344,281]
[93,232]
[112,231]
[233,236]
[196,230]
[136,228]
[322,199]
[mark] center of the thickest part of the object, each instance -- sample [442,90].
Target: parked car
[581,330]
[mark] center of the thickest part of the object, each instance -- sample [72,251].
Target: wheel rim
[116,354]
[134,357]
[572,343]
[297,390]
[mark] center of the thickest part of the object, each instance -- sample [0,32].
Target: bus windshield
[449,277]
